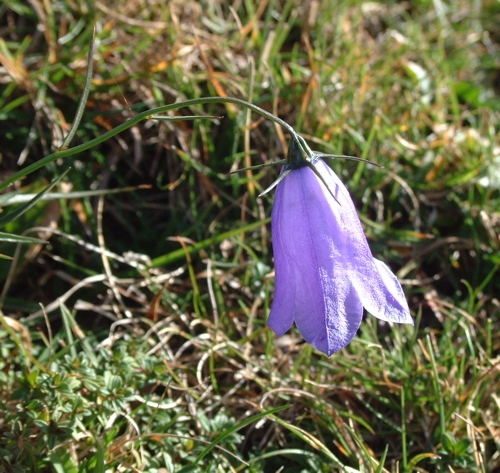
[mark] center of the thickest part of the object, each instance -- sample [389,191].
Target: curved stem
[143,116]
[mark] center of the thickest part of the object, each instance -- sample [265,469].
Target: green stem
[144,116]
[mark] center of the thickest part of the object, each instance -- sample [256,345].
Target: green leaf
[16,213]
[418,458]
[462,446]
[10,238]
[68,323]
[181,252]
[12,198]
[449,442]
[237,427]
[62,462]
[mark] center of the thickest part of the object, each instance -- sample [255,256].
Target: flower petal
[325,271]
[392,297]
[378,288]
[313,287]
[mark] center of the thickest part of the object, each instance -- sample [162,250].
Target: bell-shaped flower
[325,271]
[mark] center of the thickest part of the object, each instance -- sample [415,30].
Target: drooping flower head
[325,271]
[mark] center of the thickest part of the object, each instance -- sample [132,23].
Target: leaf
[462,446]
[181,252]
[12,198]
[449,442]
[237,427]
[62,462]
[418,458]
[11,238]
[16,213]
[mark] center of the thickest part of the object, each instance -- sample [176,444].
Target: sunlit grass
[136,339]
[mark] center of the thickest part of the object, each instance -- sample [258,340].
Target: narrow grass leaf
[85,94]
[71,327]
[235,428]
[380,468]
[417,459]
[310,440]
[15,198]
[10,238]
[68,323]
[180,253]
[375,464]
[16,213]
[100,459]
[437,389]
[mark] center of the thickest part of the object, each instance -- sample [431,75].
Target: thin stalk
[148,114]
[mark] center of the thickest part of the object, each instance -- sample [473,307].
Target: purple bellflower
[325,271]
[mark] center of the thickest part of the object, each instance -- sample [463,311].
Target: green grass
[136,338]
